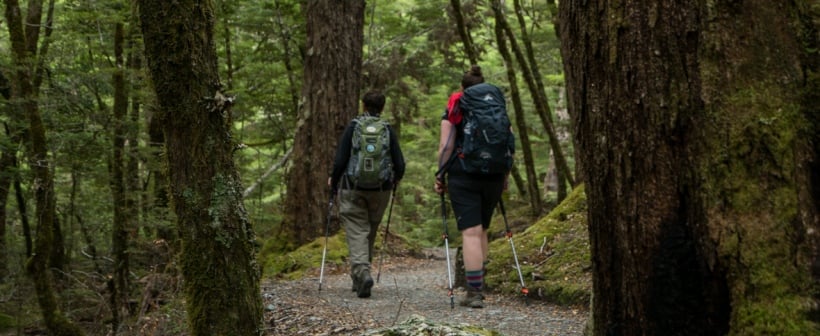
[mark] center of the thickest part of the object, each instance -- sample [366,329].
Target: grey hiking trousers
[361,212]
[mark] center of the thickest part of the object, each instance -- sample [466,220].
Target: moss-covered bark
[218,255]
[330,96]
[691,124]
[754,131]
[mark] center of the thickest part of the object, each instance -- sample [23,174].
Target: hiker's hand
[333,189]
[440,186]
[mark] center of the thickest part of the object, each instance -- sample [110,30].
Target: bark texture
[218,259]
[690,120]
[330,96]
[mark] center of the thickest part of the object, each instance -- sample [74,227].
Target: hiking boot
[365,284]
[473,299]
[356,271]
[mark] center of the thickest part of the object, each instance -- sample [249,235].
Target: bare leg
[475,245]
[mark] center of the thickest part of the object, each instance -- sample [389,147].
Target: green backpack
[370,164]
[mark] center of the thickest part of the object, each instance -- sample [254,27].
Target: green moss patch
[6,322]
[554,255]
[293,265]
[752,199]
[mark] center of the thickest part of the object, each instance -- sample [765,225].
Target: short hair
[472,77]
[373,102]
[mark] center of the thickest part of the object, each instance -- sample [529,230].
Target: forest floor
[408,286]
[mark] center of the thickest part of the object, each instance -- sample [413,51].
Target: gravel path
[407,286]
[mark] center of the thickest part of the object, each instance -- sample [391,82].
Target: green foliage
[411,54]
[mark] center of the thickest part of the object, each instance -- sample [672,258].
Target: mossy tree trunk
[691,122]
[532,76]
[330,96]
[119,230]
[221,276]
[24,35]
[8,151]
[464,32]
[533,191]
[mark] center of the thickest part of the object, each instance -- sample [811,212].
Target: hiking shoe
[365,285]
[473,299]
[355,285]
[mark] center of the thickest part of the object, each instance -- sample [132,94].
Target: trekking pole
[386,231]
[447,253]
[524,289]
[327,232]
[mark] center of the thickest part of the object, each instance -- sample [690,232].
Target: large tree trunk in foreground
[218,259]
[697,128]
[330,95]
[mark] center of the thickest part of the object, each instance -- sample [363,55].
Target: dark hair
[472,77]
[373,102]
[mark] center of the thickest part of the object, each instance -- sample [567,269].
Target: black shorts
[474,199]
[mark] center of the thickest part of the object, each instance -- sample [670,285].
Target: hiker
[474,186]
[369,164]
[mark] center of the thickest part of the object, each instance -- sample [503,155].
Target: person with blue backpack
[475,155]
[367,168]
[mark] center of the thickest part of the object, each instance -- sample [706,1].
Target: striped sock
[475,279]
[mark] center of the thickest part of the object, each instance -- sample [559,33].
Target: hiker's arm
[342,156]
[446,144]
[397,156]
[447,141]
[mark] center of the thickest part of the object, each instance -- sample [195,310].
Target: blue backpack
[488,144]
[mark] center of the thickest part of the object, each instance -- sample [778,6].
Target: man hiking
[369,165]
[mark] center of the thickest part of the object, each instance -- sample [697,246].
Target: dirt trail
[407,286]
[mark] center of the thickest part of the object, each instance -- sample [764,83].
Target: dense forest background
[145,140]
[114,231]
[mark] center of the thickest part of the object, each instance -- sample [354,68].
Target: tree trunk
[533,76]
[218,262]
[119,229]
[695,146]
[136,192]
[330,92]
[24,46]
[6,176]
[8,151]
[541,104]
[463,32]
[23,211]
[523,135]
